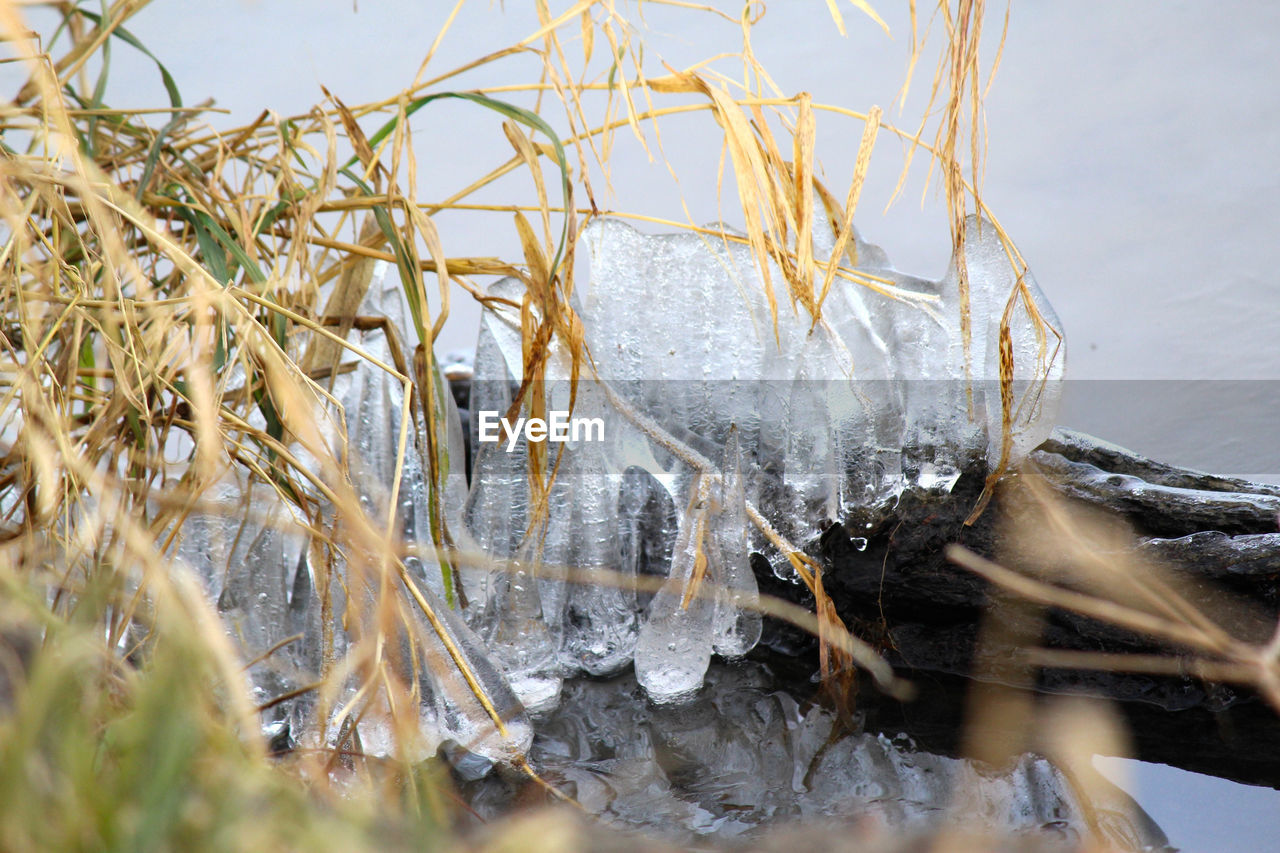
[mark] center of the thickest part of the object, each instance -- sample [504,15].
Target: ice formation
[267,590]
[716,423]
[744,757]
[709,407]
[374,401]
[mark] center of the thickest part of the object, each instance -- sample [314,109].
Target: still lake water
[1134,157]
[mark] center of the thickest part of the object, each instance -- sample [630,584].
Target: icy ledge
[714,427]
[709,410]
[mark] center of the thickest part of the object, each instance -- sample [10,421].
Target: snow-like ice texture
[708,401]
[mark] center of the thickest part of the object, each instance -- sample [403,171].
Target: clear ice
[240,547]
[374,404]
[708,406]
[711,411]
[744,758]
[252,560]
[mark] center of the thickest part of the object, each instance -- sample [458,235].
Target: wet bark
[1218,537]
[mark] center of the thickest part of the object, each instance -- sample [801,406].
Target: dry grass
[1085,562]
[176,302]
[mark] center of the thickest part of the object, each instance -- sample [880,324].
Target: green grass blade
[175,97]
[517,114]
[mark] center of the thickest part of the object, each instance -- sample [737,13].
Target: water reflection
[746,756]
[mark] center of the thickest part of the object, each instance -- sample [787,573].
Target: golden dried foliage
[177,300]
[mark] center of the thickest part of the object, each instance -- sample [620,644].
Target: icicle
[737,620]
[674,646]
[600,621]
[520,641]
[237,546]
[811,470]
[824,422]
[1038,354]
[496,511]
[647,529]
[557,556]
[454,710]
[510,611]
[255,598]
[208,535]
[374,401]
[870,432]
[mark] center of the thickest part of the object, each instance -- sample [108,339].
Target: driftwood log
[1218,536]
